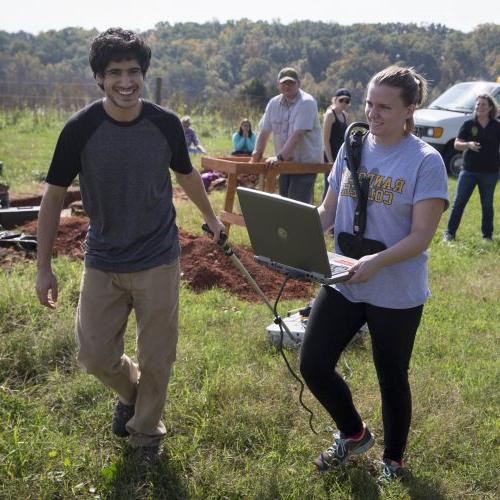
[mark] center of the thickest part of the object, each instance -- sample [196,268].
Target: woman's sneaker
[342,448]
[390,470]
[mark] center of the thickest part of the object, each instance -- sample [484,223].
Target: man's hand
[474,146]
[272,160]
[48,221]
[217,228]
[255,158]
[46,288]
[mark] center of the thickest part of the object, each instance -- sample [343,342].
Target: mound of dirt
[9,256]
[32,200]
[203,263]
[73,194]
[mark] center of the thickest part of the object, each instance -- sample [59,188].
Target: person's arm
[291,143]
[265,129]
[288,148]
[328,209]
[260,146]
[238,142]
[197,142]
[193,186]
[251,142]
[425,219]
[328,121]
[463,145]
[194,137]
[248,145]
[48,222]
[463,142]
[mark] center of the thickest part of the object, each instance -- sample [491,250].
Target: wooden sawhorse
[235,165]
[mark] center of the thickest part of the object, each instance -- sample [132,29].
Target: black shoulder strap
[354,138]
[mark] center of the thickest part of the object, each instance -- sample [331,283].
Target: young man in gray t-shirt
[122,147]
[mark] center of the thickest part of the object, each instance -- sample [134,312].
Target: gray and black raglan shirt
[125,184]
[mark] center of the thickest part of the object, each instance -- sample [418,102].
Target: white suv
[440,122]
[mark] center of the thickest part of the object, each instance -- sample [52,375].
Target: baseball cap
[343,93]
[288,74]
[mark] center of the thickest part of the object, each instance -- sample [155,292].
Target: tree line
[233,65]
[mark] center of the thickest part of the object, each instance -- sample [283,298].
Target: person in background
[334,127]
[192,141]
[406,196]
[244,139]
[123,149]
[479,138]
[292,118]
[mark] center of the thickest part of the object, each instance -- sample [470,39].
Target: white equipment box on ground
[297,326]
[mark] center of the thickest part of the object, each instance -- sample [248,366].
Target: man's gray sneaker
[123,413]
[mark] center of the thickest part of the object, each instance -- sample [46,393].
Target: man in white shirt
[292,118]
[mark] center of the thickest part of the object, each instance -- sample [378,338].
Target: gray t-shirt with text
[400,176]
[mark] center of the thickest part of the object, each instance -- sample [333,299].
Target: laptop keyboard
[335,269]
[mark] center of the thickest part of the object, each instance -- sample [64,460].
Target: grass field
[235,428]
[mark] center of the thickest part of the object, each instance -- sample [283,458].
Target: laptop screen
[284,230]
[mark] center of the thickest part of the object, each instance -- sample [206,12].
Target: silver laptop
[286,235]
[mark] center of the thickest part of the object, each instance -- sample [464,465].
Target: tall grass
[234,425]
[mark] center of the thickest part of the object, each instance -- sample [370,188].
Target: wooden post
[158,90]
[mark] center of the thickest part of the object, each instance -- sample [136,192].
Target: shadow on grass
[422,489]
[363,485]
[159,480]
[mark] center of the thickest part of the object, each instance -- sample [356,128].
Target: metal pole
[158,90]
[226,248]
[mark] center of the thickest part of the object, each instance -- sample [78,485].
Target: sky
[35,16]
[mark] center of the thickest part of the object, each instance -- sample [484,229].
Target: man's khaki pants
[106,300]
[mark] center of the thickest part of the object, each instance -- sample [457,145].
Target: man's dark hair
[117,44]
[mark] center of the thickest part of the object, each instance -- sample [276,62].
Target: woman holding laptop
[407,194]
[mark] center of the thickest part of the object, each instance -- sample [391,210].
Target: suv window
[462,97]
[497,99]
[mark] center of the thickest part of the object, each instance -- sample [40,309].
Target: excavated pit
[203,264]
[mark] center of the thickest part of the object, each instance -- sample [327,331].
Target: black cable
[279,321]
[226,248]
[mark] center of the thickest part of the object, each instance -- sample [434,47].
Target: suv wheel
[454,162]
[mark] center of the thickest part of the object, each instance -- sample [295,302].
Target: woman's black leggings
[332,323]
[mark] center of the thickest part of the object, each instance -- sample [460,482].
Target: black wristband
[280,157]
